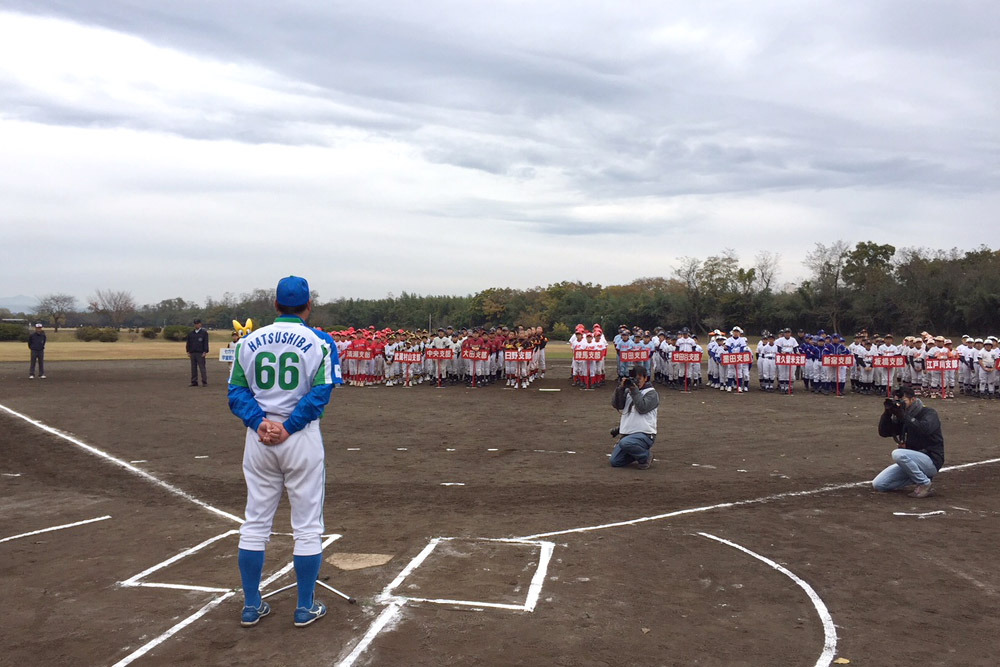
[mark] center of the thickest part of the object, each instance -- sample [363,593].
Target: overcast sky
[190,148]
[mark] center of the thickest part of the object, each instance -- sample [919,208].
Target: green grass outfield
[64,346]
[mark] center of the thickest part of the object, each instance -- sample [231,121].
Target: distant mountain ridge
[19,303]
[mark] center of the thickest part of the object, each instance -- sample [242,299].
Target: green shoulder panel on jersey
[238,376]
[324,374]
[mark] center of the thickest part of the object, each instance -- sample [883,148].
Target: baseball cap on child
[293,291]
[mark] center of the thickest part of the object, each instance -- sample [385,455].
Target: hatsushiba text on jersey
[280,338]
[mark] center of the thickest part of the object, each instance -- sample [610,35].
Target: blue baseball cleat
[304,617]
[252,615]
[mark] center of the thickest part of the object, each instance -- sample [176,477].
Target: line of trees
[869,285]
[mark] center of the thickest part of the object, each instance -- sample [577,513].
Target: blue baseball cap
[293,291]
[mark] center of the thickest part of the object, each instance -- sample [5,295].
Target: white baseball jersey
[282,362]
[281,365]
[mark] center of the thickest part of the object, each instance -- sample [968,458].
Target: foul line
[122,464]
[829,630]
[735,503]
[48,530]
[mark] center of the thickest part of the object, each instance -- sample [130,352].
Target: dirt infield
[743,578]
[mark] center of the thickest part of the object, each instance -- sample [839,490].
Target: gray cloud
[563,120]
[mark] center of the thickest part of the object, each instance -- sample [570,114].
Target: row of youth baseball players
[475,356]
[975,375]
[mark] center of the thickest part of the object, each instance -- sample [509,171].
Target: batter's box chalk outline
[545,550]
[136,581]
[224,595]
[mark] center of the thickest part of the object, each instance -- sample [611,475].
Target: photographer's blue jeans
[632,447]
[909,467]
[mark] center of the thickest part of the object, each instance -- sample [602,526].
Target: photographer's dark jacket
[919,430]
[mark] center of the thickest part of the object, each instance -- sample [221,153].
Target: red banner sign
[730,358]
[894,361]
[686,357]
[838,360]
[408,358]
[790,360]
[475,355]
[942,365]
[518,355]
[435,354]
[588,355]
[364,355]
[631,356]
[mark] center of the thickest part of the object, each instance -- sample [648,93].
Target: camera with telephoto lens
[893,403]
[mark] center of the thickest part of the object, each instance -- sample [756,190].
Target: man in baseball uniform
[737,375]
[767,368]
[988,369]
[965,355]
[786,344]
[280,385]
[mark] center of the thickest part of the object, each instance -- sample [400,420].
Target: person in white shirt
[965,368]
[696,368]
[684,343]
[917,359]
[988,369]
[767,365]
[887,349]
[786,344]
[579,368]
[866,371]
[638,403]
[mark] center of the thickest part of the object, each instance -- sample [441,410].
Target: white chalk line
[123,464]
[735,503]
[531,598]
[396,602]
[135,580]
[153,643]
[49,530]
[919,515]
[829,630]
[146,648]
[383,621]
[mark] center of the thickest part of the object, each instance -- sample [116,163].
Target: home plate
[347,561]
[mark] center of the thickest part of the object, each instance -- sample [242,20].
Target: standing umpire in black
[197,349]
[36,343]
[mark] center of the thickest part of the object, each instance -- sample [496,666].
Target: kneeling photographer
[638,401]
[917,430]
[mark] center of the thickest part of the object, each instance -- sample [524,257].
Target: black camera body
[894,403]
